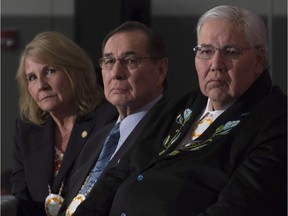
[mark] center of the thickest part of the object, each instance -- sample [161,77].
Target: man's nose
[119,70]
[217,62]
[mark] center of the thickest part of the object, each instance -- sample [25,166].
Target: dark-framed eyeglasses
[227,52]
[131,62]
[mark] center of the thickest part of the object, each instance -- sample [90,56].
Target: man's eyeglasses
[227,52]
[131,62]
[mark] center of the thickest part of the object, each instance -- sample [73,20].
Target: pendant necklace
[53,202]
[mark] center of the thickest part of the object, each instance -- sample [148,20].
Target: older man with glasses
[223,153]
[134,68]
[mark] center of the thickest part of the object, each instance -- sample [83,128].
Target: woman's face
[49,87]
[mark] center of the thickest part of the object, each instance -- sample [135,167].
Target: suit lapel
[187,117]
[47,152]
[183,123]
[80,133]
[87,159]
[127,144]
[216,131]
[82,172]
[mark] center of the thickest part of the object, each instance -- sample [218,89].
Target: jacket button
[140,178]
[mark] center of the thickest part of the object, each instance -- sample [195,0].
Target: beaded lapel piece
[180,122]
[198,144]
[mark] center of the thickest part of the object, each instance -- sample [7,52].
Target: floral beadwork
[181,120]
[196,145]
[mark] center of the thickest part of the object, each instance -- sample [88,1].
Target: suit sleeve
[258,186]
[18,180]
[18,183]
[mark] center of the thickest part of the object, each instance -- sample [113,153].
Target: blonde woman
[60,105]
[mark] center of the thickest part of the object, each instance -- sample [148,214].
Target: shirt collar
[129,122]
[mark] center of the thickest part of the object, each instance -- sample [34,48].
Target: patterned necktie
[104,157]
[202,125]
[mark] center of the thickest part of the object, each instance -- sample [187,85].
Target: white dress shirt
[130,122]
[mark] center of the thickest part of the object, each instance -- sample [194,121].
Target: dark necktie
[104,157]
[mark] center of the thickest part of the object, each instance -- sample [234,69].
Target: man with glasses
[134,68]
[224,151]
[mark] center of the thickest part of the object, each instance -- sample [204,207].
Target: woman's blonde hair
[57,50]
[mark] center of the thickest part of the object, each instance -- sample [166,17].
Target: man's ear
[163,69]
[260,60]
[260,56]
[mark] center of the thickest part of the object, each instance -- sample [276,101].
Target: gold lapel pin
[84,134]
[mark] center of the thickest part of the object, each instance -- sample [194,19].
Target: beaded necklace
[53,202]
[80,196]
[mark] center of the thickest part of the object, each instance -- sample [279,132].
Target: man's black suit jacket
[90,153]
[236,167]
[33,152]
